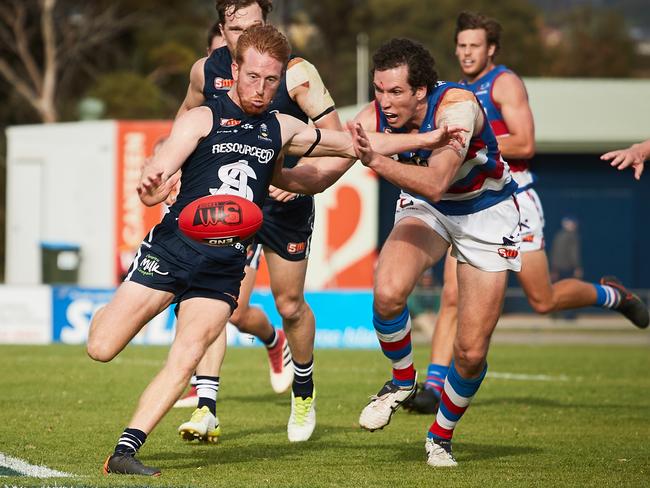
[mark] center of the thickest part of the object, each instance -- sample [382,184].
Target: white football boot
[439,453]
[302,420]
[380,408]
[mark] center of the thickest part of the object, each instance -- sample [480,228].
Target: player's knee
[449,296]
[99,351]
[541,306]
[238,316]
[290,307]
[388,302]
[98,348]
[469,359]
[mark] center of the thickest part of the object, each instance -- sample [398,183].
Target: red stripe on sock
[406,374]
[453,408]
[441,432]
[396,346]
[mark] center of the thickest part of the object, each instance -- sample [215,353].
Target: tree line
[135,56]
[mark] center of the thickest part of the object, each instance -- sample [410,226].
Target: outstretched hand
[152,189]
[361,143]
[149,184]
[623,158]
[447,135]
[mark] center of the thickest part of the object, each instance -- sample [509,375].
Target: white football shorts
[488,240]
[532,221]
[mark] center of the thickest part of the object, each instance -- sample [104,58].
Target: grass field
[589,425]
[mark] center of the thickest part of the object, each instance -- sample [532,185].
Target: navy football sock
[130,441]
[303,381]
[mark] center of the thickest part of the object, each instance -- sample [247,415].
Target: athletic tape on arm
[465,113]
[318,101]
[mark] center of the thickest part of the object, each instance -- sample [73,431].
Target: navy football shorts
[287,227]
[166,262]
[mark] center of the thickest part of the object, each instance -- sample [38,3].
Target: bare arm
[307,89]
[510,93]
[458,107]
[298,138]
[194,96]
[313,175]
[633,156]
[430,182]
[156,180]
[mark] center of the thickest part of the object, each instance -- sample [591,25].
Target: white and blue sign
[72,309]
[343,318]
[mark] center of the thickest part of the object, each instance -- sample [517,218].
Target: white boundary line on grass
[526,377]
[30,469]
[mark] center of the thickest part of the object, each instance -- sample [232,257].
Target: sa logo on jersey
[221,83]
[229,122]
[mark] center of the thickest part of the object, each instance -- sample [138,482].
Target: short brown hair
[413,55]
[265,39]
[473,20]
[233,5]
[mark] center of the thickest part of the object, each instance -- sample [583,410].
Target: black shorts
[166,262]
[287,227]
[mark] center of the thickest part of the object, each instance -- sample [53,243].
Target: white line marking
[526,377]
[30,469]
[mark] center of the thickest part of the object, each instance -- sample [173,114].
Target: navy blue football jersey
[237,157]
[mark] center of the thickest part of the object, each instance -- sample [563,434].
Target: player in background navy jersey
[203,280]
[285,233]
[505,101]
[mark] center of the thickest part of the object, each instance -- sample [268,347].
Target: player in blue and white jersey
[285,234]
[459,198]
[204,281]
[503,96]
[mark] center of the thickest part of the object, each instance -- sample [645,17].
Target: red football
[220,220]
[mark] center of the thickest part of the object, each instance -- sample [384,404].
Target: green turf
[61,410]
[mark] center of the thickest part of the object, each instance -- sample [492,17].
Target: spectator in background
[566,261]
[565,252]
[423,305]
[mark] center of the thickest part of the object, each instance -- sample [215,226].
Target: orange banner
[343,249]
[136,141]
